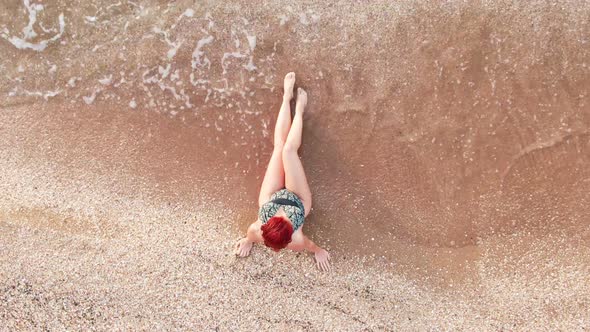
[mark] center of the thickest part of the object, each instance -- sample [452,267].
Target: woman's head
[277,233]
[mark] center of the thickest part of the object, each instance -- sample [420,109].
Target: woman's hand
[322,258]
[243,247]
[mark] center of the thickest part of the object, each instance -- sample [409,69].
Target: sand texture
[447,146]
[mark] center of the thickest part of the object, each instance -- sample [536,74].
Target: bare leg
[295,179]
[274,178]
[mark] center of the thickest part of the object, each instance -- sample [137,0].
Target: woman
[285,198]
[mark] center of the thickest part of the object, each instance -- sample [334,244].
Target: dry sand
[447,146]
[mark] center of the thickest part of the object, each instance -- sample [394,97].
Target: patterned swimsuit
[291,204]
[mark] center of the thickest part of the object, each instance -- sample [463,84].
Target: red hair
[277,233]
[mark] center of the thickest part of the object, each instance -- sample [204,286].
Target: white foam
[251,42]
[303,19]
[46,30]
[228,55]
[72,81]
[164,71]
[209,91]
[181,95]
[175,76]
[28,31]
[315,18]
[265,131]
[199,81]
[107,80]
[132,103]
[22,43]
[210,19]
[175,46]
[283,19]
[198,53]
[49,94]
[250,66]
[90,19]
[114,5]
[187,13]
[172,52]
[43,94]
[90,99]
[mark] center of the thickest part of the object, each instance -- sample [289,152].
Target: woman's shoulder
[298,234]
[257,224]
[254,230]
[297,240]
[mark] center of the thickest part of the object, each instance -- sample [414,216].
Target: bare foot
[288,85]
[301,100]
[243,247]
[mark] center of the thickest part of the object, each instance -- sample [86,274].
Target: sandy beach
[447,147]
[95,246]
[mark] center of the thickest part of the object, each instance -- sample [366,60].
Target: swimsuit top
[291,204]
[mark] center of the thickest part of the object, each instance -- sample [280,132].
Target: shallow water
[434,131]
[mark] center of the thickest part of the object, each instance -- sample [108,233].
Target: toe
[301,95]
[290,78]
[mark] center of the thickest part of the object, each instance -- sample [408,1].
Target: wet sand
[446,146]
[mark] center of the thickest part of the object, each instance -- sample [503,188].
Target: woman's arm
[244,245]
[309,245]
[253,232]
[322,257]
